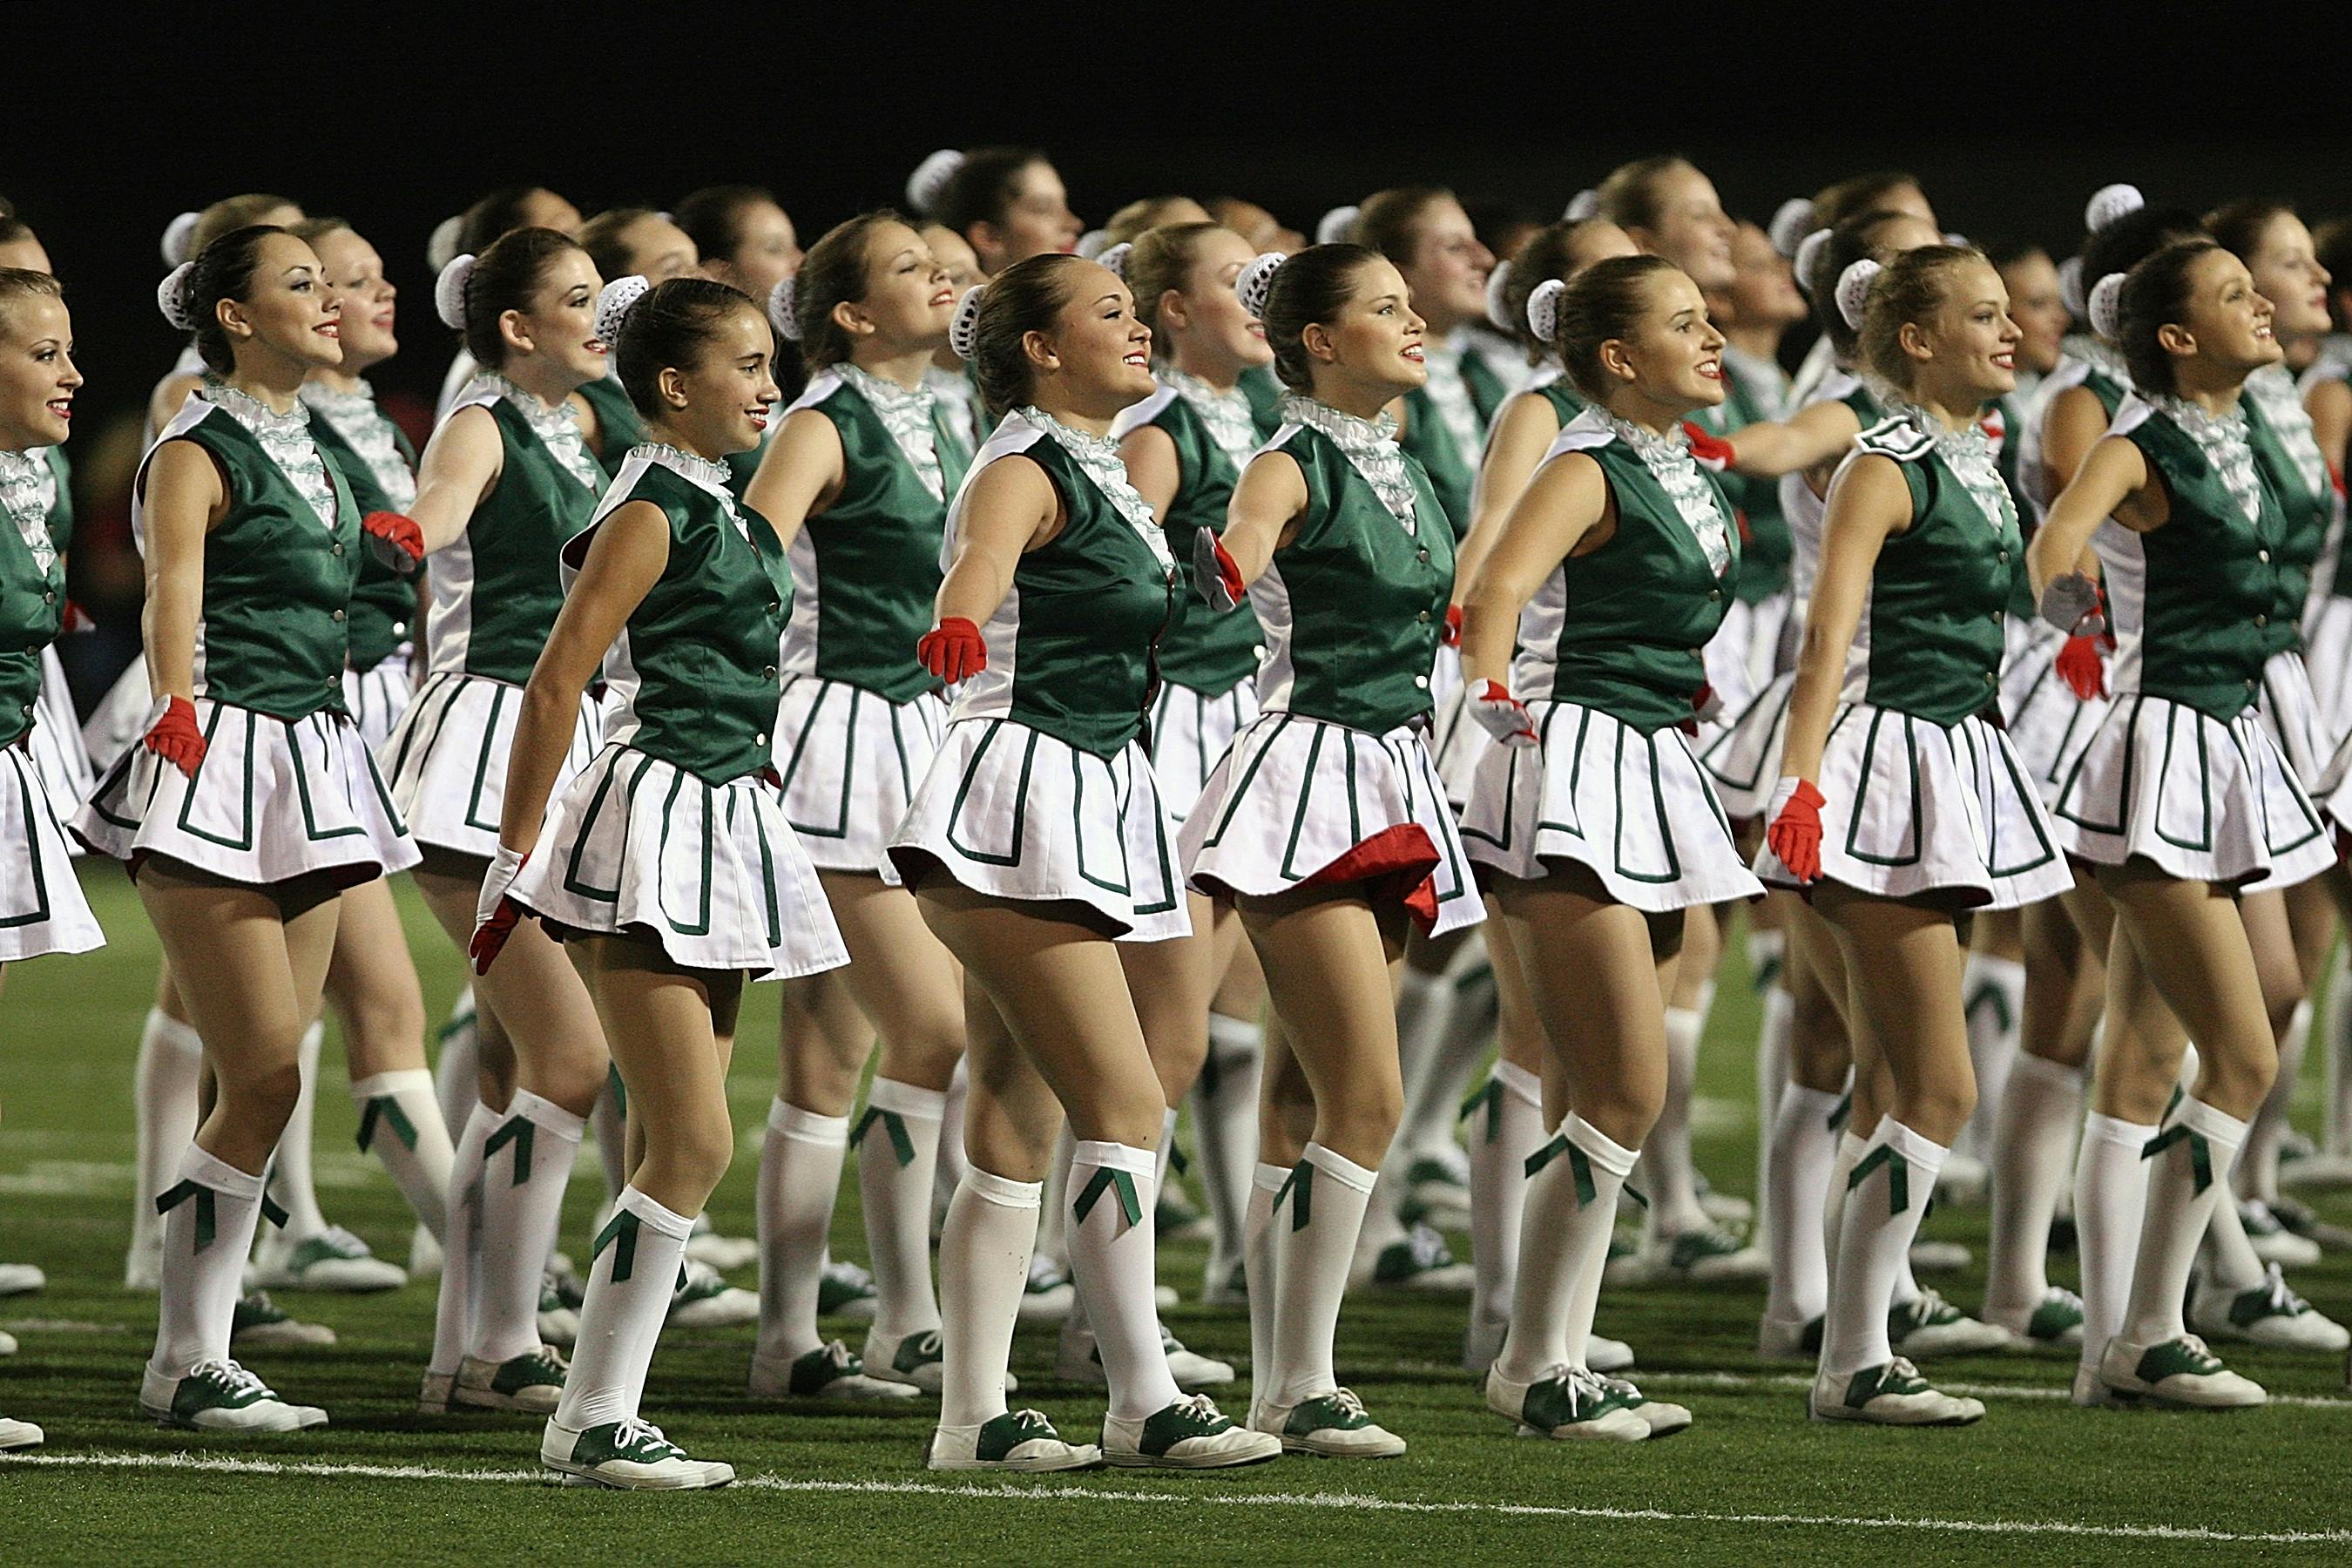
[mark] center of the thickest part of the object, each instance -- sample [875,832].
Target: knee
[1366,1117]
[263,1096]
[699,1153]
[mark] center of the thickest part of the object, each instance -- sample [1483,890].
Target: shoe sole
[1205,1462]
[168,1419]
[2147,1393]
[1085,1456]
[563,1473]
[1591,1434]
[490,1399]
[1312,1449]
[1859,1419]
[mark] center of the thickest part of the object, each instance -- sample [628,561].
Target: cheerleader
[251,802]
[1007,204]
[1622,553]
[1325,822]
[626,242]
[2177,832]
[472,232]
[743,237]
[1902,650]
[855,484]
[1035,835]
[506,481]
[1128,224]
[949,382]
[186,238]
[667,864]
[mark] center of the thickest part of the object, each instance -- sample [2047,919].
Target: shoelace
[1032,1421]
[634,1432]
[1930,1305]
[2278,1297]
[1584,1388]
[2197,1350]
[1199,1407]
[1902,1369]
[837,1352]
[1347,1402]
[232,1377]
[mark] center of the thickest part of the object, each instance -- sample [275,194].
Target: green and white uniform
[959,409]
[59,758]
[1745,759]
[41,907]
[1041,789]
[1922,796]
[378,464]
[1207,662]
[493,594]
[1609,660]
[1333,781]
[861,717]
[2327,619]
[2179,772]
[1446,424]
[1749,651]
[2281,435]
[675,832]
[286,788]
[619,430]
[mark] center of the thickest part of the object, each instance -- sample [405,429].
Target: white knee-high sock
[1673,1176]
[1993,990]
[208,1215]
[2227,1257]
[610,1116]
[1225,1131]
[461,1261]
[171,1061]
[2032,1138]
[1261,1269]
[1849,1145]
[631,1278]
[1506,1128]
[1424,1006]
[2188,1166]
[2335,1130]
[1780,1011]
[1804,1153]
[1886,1195]
[1314,1225]
[290,1170]
[2110,1202]
[952,1162]
[799,1177]
[897,1150]
[526,1165]
[984,1269]
[457,1070]
[1057,1206]
[400,1121]
[2258,1169]
[1113,1187]
[1571,1207]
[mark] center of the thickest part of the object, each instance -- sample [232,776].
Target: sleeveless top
[1265,392]
[1801,509]
[2192,600]
[692,676]
[1753,393]
[868,567]
[497,587]
[1933,624]
[382,477]
[1354,607]
[616,422]
[1446,424]
[1070,648]
[278,571]
[32,589]
[1202,651]
[57,493]
[2280,433]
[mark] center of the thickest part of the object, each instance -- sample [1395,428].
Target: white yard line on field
[1053,1492]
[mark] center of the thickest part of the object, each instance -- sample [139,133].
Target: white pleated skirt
[851,761]
[42,909]
[2327,655]
[1744,759]
[274,799]
[2048,724]
[1013,813]
[1916,809]
[60,760]
[1635,810]
[379,695]
[446,759]
[1189,731]
[115,725]
[1298,801]
[2288,711]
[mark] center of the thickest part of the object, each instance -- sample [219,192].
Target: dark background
[117,117]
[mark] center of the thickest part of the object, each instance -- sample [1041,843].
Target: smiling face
[357,272]
[1763,291]
[1447,272]
[767,251]
[1965,353]
[2287,273]
[37,378]
[1207,316]
[1036,221]
[909,298]
[954,252]
[1375,339]
[2228,319]
[1098,352]
[2038,309]
[559,329]
[1672,360]
[290,307]
[719,404]
[1692,230]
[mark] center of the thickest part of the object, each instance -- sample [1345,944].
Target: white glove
[1503,716]
[2072,604]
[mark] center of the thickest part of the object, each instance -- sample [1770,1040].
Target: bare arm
[1808,438]
[2111,477]
[800,475]
[2330,406]
[1262,516]
[185,499]
[1559,509]
[1868,503]
[1011,509]
[624,561]
[1523,433]
[460,464]
[1151,466]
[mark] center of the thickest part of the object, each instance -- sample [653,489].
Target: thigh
[1591,975]
[903,977]
[2270,934]
[1326,973]
[663,1024]
[2192,941]
[371,982]
[1011,1117]
[1903,984]
[232,964]
[1171,983]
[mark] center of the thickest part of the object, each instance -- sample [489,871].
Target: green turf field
[2037,1481]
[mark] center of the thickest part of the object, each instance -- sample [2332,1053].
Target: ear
[512,332]
[2176,340]
[1316,341]
[1039,350]
[231,317]
[1175,310]
[851,318]
[1615,362]
[672,385]
[1913,343]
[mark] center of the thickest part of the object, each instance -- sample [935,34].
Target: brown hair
[223,270]
[1313,286]
[1140,217]
[1027,297]
[2238,227]
[1389,220]
[1605,301]
[233,213]
[600,236]
[667,328]
[833,273]
[505,278]
[1549,252]
[1911,287]
[1859,193]
[713,218]
[1162,261]
[1629,196]
[2155,293]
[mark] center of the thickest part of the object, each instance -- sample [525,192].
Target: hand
[1711,451]
[1795,836]
[1503,716]
[495,914]
[1705,706]
[172,735]
[952,650]
[74,621]
[2074,605]
[1453,635]
[1995,426]
[1215,576]
[395,540]
[2081,667]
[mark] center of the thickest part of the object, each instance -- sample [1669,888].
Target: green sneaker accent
[1928,1310]
[2059,1313]
[1420,1252]
[836,1291]
[1619,1248]
[217,1386]
[1871,1382]
[631,1440]
[1193,1418]
[1693,1248]
[1324,1413]
[693,1287]
[2175,1357]
[257,1310]
[1810,1341]
[824,1366]
[1558,1402]
[319,1248]
[2270,1299]
[521,1131]
[917,1352]
[1428,1169]
[541,1368]
[1000,1435]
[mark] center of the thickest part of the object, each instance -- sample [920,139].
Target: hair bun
[441,245]
[1335,226]
[2105,305]
[2109,203]
[2070,288]
[449,291]
[1498,299]
[1092,244]
[1582,207]
[1114,260]
[1543,310]
[929,181]
[784,309]
[180,238]
[1808,261]
[614,302]
[1254,282]
[1853,286]
[172,298]
[1792,220]
[963,327]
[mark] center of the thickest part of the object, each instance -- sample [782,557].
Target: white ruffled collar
[1968,452]
[1226,414]
[1667,456]
[23,496]
[555,425]
[1098,456]
[360,420]
[285,439]
[1370,445]
[2223,439]
[907,415]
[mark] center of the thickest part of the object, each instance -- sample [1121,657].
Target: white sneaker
[1190,1435]
[331,1259]
[1603,1354]
[1726,1209]
[1333,1425]
[1664,1420]
[1894,1395]
[1078,1358]
[705,1244]
[831,1371]
[432,1395]
[260,1323]
[1705,1255]
[2179,1372]
[1928,1325]
[708,1301]
[1019,1441]
[1939,1257]
[913,1361]
[2266,1314]
[1421,1263]
[2054,1322]
[846,1290]
[530,1381]
[19,1433]
[1049,1295]
[627,1456]
[21,1279]
[1566,1404]
[2273,1242]
[1778,1339]
[7,1342]
[219,1396]
[2091,1392]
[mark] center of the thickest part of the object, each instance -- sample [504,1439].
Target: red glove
[1995,426]
[1795,836]
[1215,576]
[1706,709]
[76,620]
[952,650]
[1503,716]
[393,528]
[1712,452]
[495,914]
[172,735]
[1453,637]
[2081,667]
